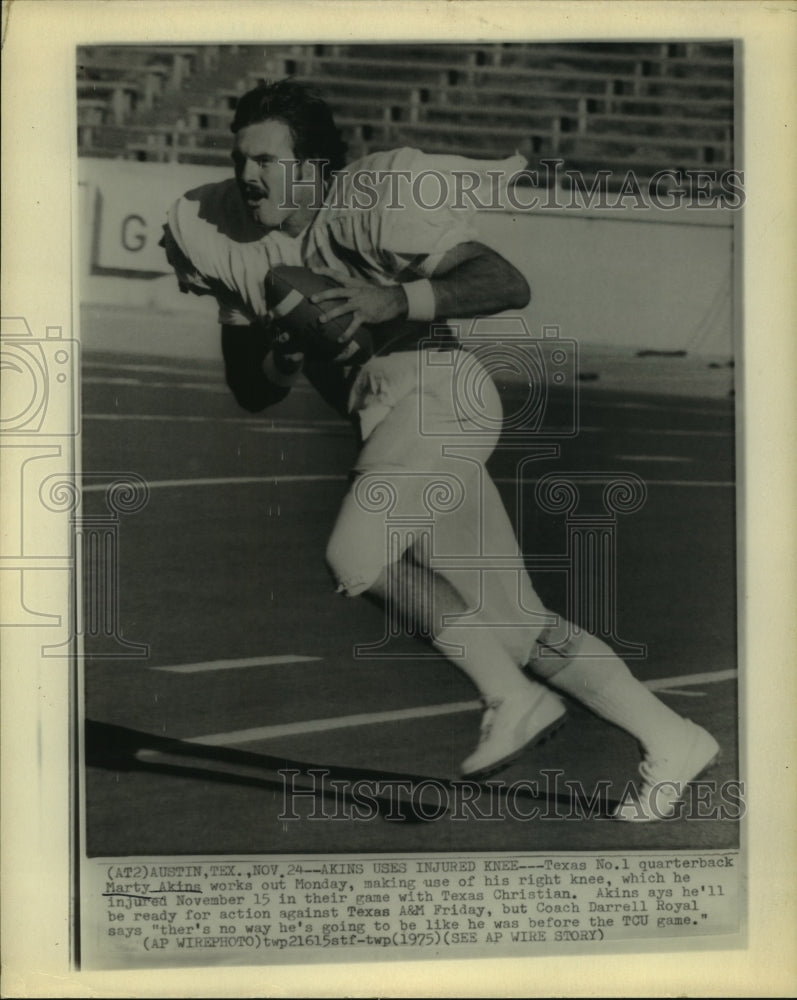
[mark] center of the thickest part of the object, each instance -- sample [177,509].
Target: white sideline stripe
[652,458]
[147,384]
[252,661]
[183,418]
[426,712]
[257,426]
[711,677]
[686,694]
[210,386]
[620,405]
[648,482]
[689,482]
[165,370]
[256,422]
[301,426]
[341,429]
[657,431]
[340,722]
[157,484]
[128,366]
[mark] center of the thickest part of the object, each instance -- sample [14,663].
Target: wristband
[421,303]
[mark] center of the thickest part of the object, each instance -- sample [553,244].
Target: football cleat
[664,779]
[509,725]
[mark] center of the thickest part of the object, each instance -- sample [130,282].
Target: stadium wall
[625,277]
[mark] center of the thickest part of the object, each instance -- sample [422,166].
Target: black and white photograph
[393,468]
[427,542]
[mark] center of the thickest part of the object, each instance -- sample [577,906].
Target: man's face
[262,178]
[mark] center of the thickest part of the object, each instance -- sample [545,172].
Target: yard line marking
[252,661]
[648,482]
[686,694]
[300,424]
[690,482]
[169,418]
[659,432]
[710,677]
[305,388]
[333,431]
[305,422]
[701,411]
[339,722]
[205,418]
[334,427]
[147,384]
[129,366]
[301,387]
[425,712]
[210,386]
[652,458]
[157,484]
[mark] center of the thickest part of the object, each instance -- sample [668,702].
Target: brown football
[288,292]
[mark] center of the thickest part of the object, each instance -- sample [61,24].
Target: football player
[401,268]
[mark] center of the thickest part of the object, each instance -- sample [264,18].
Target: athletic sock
[486,662]
[599,679]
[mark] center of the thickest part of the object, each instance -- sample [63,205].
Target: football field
[250,668]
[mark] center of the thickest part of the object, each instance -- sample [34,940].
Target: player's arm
[259,370]
[469,280]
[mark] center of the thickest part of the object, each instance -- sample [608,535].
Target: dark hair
[313,130]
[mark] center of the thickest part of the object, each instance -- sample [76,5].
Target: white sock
[486,662]
[599,679]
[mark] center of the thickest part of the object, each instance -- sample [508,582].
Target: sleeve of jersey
[435,215]
[237,270]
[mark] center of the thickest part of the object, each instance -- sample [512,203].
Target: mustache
[253,191]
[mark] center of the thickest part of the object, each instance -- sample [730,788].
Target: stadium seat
[609,104]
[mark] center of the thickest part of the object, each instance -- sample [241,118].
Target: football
[288,292]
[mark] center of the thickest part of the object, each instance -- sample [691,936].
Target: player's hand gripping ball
[288,292]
